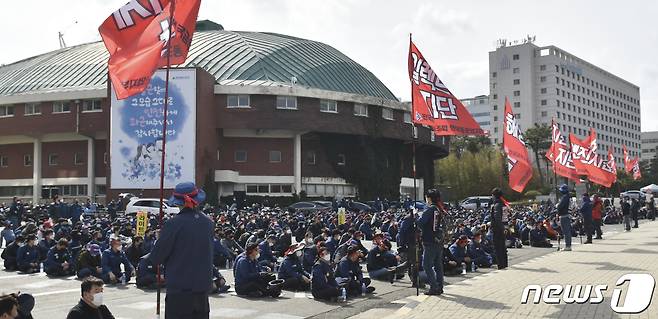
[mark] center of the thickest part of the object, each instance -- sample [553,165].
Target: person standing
[407,246]
[498,228]
[91,303]
[430,224]
[597,209]
[565,216]
[185,248]
[586,213]
[626,212]
[635,211]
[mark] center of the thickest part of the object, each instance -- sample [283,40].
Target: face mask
[21,244]
[98,299]
[326,257]
[271,244]
[257,255]
[298,253]
[309,241]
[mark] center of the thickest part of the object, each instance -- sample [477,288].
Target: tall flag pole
[433,104]
[518,163]
[413,168]
[141,37]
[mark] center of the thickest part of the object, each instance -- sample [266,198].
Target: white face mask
[298,253]
[257,255]
[326,257]
[309,240]
[98,299]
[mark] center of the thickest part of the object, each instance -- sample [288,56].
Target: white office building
[480,108]
[548,82]
[649,145]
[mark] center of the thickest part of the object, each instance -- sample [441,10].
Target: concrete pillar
[36,171]
[297,154]
[91,176]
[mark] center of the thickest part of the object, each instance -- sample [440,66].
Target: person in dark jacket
[565,216]
[91,304]
[27,256]
[111,261]
[430,223]
[408,245]
[135,251]
[292,272]
[498,228]
[333,242]
[250,278]
[635,211]
[586,213]
[10,253]
[184,238]
[89,262]
[323,282]
[59,261]
[25,306]
[220,254]
[46,243]
[626,212]
[539,237]
[146,277]
[266,256]
[477,251]
[349,269]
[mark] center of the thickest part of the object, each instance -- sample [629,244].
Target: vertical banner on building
[136,133]
[142,223]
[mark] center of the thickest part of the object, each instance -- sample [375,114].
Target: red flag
[636,168]
[596,168]
[611,162]
[136,37]
[628,164]
[518,164]
[433,104]
[560,155]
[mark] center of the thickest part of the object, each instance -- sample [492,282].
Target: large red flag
[433,104]
[628,164]
[611,162]
[636,168]
[136,36]
[560,155]
[518,164]
[596,168]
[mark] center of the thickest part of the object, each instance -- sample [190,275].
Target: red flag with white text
[597,168]
[136,37]
[636,168]
[433,104]
[628,163]
[560,155]
[518,163]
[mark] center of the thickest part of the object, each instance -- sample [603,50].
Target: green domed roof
[232,57]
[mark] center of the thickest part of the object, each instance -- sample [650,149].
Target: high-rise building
[548,82]
[480,108]
[649,145]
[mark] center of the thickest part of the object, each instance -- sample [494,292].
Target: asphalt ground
[55,296]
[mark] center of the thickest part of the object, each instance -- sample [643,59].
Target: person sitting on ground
[450,265]
[478,253]
[539,237]
[229,242]
[45,244]
[292,272]
[333,242]
[135,251]
[10,253]
[219,285]
[323,282]
[267,258]
[382,264]
[27,256]
[220,254]
[91,304]
[59,261]
[89,262]
[310,254]
[349,269]
[146,274]
[250,278]
[7,234]
[458,249]
[111,262]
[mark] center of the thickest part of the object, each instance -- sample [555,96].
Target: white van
[471,202]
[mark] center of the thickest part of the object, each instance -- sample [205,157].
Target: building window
[518,115]
[78,159]
[32,109]
[542,67]
[543,90]
[515,57]
[286,102]
[495,107]
[517,104]
[62,107]
[495,96]
[517,81]
[92,106]
[240,156]
[544,113]
[310,158]
[542,79]
[328,106]
[493,74]
[4,161]
[495,118]
[53,159]
[237,101]
[543,102]
[517,93]
[341,160]
[387,114]
[27,160]
[7,110]
[275,156]
[407,117]
[515,70]
[360,110]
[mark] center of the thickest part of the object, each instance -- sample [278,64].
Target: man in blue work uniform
[292,272]
[27,256]
[59,261]
[431,229]
[565,216]
[186,250]
[111,261]
[350,269]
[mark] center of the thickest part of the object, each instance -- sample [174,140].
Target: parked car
[309,206]
[149,205]
[471,202]
[358,206]
[633,194]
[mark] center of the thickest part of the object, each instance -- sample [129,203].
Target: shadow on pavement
[475,303]
[609,266]
[575,311]
[540,270]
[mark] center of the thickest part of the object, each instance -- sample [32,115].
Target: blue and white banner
[136,133]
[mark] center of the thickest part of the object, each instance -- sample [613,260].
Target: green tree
[538,138]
